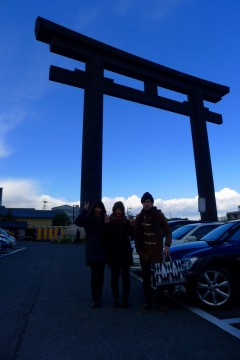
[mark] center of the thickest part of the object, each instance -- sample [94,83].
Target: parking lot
[46,314]
[227,319]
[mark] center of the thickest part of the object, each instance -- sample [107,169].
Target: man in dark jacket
[149,227]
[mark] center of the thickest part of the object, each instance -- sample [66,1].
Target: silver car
[193,232]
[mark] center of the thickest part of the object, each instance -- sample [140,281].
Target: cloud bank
[26,193]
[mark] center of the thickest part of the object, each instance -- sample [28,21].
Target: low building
[22,220]
[34,224]
[71,211]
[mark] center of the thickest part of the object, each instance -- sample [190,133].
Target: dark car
[4,244]
[211,266]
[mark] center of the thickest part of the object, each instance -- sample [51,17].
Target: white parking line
[12,252]
[232,320]
[223,324]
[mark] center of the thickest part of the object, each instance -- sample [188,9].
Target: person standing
[149,227]
[78,237]
[94,222]
[120,253]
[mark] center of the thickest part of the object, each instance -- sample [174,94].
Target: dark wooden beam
[148,97]
[69,43]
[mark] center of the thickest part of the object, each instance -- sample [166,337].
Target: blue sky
[145,149]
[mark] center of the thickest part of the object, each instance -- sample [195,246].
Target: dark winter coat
[95,228]
[118,241]
[149,228]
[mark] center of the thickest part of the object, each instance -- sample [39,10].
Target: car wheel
[214,288]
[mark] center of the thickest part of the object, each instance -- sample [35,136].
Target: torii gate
[99,57]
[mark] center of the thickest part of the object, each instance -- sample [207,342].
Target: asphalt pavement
[45,314]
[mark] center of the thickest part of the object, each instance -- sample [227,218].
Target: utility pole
[44,204]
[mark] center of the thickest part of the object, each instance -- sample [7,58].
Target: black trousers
[97,280]
[147,285]
[124,271]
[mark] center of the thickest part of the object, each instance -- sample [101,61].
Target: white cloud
[89,16]
[19,193]
[8,121]
[132,203]
[27,193]
[182,207]
[4,149]
[133,9]
[227,200]
[158,10]
[123,6]
[33,85]
[17,95]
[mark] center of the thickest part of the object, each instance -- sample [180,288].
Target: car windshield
[182,231]
[219,233]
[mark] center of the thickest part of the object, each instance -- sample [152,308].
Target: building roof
[26,213]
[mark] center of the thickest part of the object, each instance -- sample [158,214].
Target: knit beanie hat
[147,196]
[119,205]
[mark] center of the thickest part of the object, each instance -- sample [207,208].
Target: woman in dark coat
[120,253]
[94,222]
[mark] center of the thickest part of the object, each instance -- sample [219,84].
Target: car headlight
[188,263]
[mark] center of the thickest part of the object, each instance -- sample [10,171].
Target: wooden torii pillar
[99,57]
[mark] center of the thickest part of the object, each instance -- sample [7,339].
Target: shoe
[125,304]
[117,304]
[99,302]
[146,307]
[162,310]
[94,304]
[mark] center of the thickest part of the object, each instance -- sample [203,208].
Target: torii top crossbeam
[79,47]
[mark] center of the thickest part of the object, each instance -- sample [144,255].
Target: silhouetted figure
[94,223]
[78,238]
[120,253]
[149,227]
